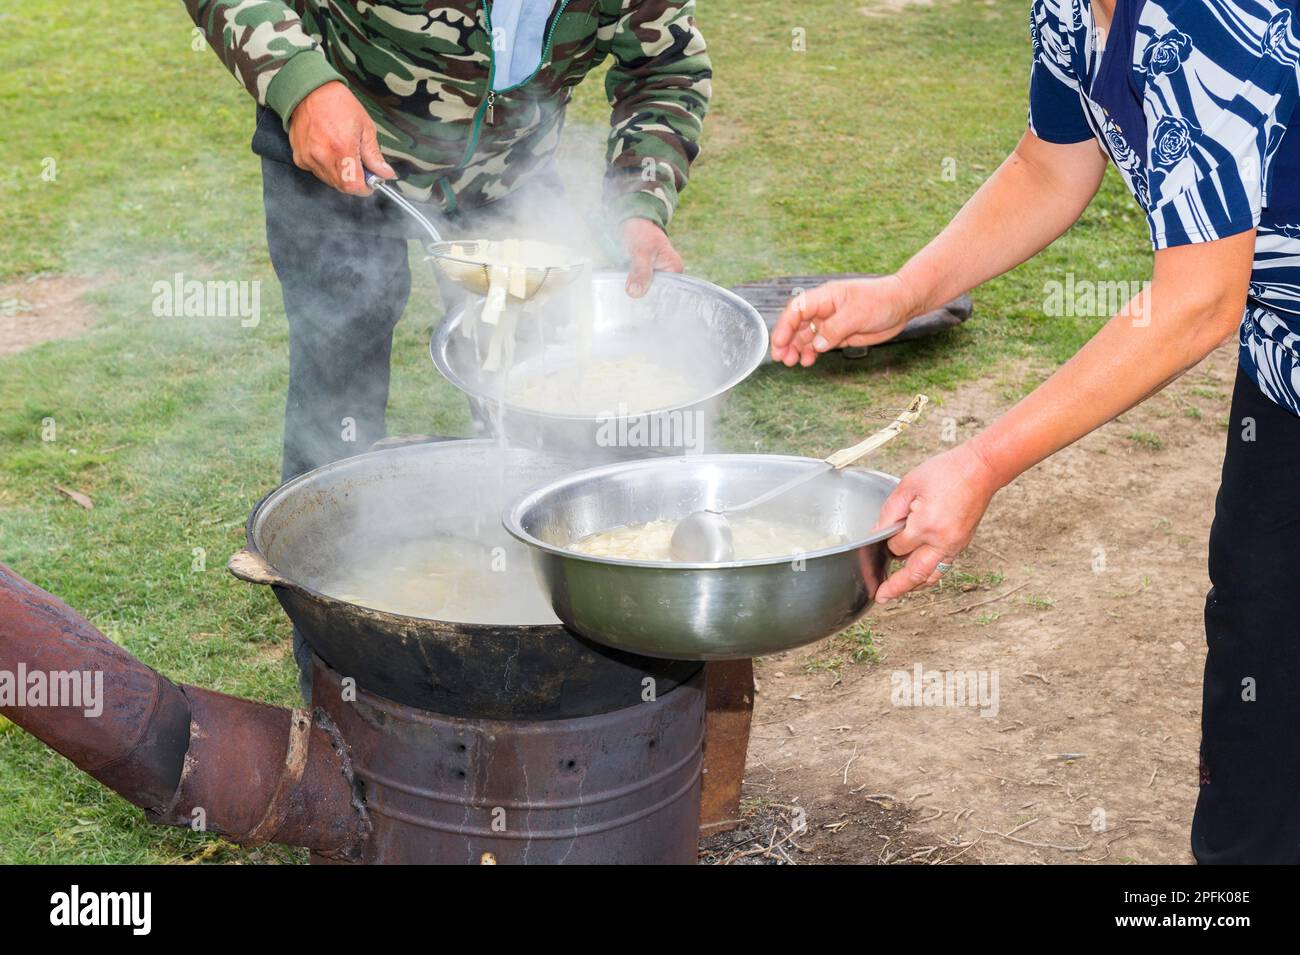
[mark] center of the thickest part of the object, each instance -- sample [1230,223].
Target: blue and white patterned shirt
[1192,99]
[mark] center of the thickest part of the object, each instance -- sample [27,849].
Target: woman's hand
[847,312]
[333,137]
[942,501]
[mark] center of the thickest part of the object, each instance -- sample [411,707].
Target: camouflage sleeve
[658,88]
[265,45]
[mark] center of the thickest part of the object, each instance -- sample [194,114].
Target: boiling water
[754,539]
[450,579]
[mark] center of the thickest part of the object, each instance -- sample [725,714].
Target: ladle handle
[374,182]
[842,459]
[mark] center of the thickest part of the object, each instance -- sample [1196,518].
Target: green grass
[857,644]
[824,161]
[1147,440]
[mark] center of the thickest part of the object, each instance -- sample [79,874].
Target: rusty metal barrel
[615,787]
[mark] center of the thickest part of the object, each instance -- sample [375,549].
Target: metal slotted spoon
[467,272]
[705,537]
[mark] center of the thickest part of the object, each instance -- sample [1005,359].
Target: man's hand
[844,312]
[333,137]
[648,249]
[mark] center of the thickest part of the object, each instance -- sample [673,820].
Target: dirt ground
[1083,594]
[43,308]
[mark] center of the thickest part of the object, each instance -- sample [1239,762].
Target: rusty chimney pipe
[187,756]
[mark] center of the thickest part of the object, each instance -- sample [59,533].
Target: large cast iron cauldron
[361,508]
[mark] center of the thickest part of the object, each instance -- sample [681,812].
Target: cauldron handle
[253,567]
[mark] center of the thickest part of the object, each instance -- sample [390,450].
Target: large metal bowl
[710,336]
[706,611]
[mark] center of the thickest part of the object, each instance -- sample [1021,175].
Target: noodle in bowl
[745,607]
[687,341]
[754,538]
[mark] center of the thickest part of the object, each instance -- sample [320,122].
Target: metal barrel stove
[615,787]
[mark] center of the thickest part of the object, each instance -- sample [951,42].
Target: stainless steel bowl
[711,337]
[706,611]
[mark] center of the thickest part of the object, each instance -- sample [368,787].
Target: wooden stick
[953,613]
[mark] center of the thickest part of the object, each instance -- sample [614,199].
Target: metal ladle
[466,271]
[705,537]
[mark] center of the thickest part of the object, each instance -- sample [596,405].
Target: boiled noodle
[508,262]
[754,539]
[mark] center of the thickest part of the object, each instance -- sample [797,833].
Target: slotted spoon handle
[374,182]
[842,459]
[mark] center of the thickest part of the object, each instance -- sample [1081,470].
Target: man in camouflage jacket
[422,71]
[409,90]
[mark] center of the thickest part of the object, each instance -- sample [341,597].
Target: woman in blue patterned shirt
[1192,101]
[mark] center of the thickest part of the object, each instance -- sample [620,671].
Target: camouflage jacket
[423,70]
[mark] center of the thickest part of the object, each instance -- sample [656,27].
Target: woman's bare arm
[1033,197]
[1038,192]
[1196,299]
